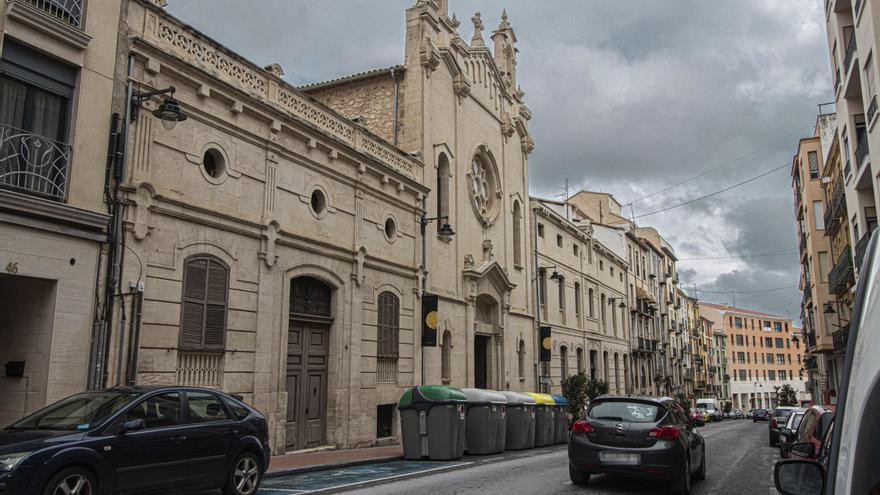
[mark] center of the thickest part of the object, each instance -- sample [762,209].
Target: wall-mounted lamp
[169,112]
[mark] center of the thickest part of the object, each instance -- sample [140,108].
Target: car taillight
[773,423]
[581,426]
[664,433]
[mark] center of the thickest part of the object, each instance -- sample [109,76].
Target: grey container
[545,424]
[432,423]
[485,430]
[520,425]
[561,426]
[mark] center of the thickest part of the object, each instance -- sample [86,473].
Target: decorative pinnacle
[504,24]
[477,40]
[455,22]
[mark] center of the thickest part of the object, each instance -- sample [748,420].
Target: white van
[711,406]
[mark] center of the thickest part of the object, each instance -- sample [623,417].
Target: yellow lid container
[542,399]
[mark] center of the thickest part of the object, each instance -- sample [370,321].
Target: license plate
[617,458]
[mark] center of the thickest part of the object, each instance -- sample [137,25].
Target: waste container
[562,419]
[545,419]
[432,422]
[485,423]
[520,421]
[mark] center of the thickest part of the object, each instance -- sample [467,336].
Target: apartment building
[763,352]
[851,27]
[580,294]
[56,83]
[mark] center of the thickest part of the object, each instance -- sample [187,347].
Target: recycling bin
[560,431]
[432,422]
[485,423]
[520,421]
[545,419]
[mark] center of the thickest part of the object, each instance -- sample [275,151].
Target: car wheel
[701,473]
[578,477]
[245,477]
[72,481]
[682,486]
[774,440]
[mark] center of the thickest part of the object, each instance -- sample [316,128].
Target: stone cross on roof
[477,40]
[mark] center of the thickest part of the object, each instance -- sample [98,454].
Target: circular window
[213,163]
[318,202]
[390,229]
[484,188]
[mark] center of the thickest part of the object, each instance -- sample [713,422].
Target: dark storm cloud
[628,97]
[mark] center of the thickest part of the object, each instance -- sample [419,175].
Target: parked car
[777,418]
[698,417]
[849,465]
[811,431]
[788,432]
[136,440]
[760,415]
[638,437]
[738,414]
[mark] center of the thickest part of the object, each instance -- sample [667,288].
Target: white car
[853,457]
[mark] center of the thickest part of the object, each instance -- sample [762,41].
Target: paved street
[739,461]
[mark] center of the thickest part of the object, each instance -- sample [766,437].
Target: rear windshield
[633,412]
[782,413]
[796,421]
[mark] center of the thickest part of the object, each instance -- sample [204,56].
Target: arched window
[517,233]
[563,361]
[577,301]
[521,358]
[580,359]
[442,190]
[617,388]
[602,312]
[205,296]
[445,356]
[388,326]
[607,378]
[613,318]
[591,303]
[561,284]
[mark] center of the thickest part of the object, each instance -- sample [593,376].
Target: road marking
[492,459]
[379,480]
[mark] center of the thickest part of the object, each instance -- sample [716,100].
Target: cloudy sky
[628,97]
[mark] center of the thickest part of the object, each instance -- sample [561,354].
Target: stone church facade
[272,239]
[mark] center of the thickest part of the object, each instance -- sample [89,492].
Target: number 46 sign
[12,267]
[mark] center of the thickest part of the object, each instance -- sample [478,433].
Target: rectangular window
[741,357]
[541,230]
[783,375]
[777,326]
[818,215]
[558,240]
[814,164]
[770,357]
[768,341]
[742,375]
[739,340]
[780,359]
[779,343]
[574,249]
[771,375]
[823,266]
[738,322]
[869,76]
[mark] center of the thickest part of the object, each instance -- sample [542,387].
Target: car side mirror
[785,431]
[799,477]
[132,425]
[803,449]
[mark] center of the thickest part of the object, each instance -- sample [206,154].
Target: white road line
[386,478]
[492,459]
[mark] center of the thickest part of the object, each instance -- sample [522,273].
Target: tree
[786,396]
[574,388]
[683,401]
[596,388]
[727,407]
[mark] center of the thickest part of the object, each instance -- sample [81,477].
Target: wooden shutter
[203,312]
[388,326]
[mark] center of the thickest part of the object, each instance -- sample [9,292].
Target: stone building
[56,82]
[581,295]
[276,241]
[457,105]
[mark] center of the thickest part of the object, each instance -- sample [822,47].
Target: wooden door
[481,369]
[307,357]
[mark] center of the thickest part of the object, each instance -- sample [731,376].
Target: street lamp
[169,112]
[553,276]
[829,309]
[611,301]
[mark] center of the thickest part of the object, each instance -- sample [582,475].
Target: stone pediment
[491,272]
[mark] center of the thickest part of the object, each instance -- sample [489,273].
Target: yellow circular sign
[431,320]
[547,343]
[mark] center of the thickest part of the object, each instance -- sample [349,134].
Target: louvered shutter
[215,306]
[203,312]
[388,327]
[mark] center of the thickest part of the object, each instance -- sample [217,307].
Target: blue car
[136,440]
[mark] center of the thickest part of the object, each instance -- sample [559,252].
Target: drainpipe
[536,340]
[396,103]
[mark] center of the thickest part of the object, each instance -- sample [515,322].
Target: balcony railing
[841,277]
[850,51]
[840,338]
[861,247]
[847,169]
[872,109]
[802,244]
[858,8]
[200,369]
[808,292]
[32,163]
[69,11]
[836,81]
[861,152]
[835,209]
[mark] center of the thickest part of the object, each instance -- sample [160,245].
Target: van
[711,406]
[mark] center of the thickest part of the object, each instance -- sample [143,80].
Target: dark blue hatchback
[137,440]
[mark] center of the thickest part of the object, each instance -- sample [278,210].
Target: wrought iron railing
[808,292]
[802,244]
[69,11]
[836,81]
[850,51]
[386,370]
[872,109]
[847,169]
[840,338]
[200,369]
[858,8]
[32,163]
[835,208]
[841,277]
[861,247]
[861,152]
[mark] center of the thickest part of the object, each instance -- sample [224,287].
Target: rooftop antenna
[566,186]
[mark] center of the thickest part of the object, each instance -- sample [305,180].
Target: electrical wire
[780,253]
[761,291]
[719,167]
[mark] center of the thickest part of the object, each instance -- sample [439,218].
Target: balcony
[840,338]
[861,152]
[858,8]
[67,11]
[33,164]
[842,276]
[808,292]
[872,109]
[802,243]
[835,209]
[837,81]
[850,51]
[860,250]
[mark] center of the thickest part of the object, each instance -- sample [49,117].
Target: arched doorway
[484,331]
[308,347]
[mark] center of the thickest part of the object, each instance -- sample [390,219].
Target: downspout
[537,299]
[396,103]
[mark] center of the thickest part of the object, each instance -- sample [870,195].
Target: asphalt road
[739,461]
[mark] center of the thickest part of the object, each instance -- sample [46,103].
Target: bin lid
[430,394]
[543,399]
[560,400]
[481,396]
[518,398]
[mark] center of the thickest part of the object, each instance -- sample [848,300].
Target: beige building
[581,295]
[56,82]
[764,353]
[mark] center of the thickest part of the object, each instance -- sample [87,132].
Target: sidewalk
[313,461]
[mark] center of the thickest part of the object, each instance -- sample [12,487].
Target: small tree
[727,407]
[683,401]
[596,388]
[786,396]
[574,388]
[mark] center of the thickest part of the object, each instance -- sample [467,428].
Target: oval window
[318,202]
[213,163]
[390,229]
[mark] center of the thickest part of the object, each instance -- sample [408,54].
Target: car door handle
[178,438]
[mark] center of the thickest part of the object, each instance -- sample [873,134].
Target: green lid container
[430,395]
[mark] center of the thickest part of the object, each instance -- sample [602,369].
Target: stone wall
[371,100]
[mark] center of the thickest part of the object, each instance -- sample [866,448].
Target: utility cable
[780,253]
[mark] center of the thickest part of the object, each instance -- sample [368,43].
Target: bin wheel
[578,477]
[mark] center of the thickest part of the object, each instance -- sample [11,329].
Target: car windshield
[77,412]
[795,421]
[633,412]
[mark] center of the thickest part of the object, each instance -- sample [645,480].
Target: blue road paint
[356,475]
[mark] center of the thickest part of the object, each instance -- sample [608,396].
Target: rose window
[484,189]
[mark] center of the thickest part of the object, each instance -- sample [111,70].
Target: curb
[323,467]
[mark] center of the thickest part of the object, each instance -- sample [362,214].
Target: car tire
[774,440]
[701,473]
[245,476]
[71,477]
[578,477]
[682,486]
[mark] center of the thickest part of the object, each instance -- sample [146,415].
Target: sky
[627,97]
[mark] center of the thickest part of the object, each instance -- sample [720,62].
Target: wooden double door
[308,346]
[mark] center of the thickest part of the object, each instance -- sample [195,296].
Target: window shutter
[203,312]
[215,306]
[388,326]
